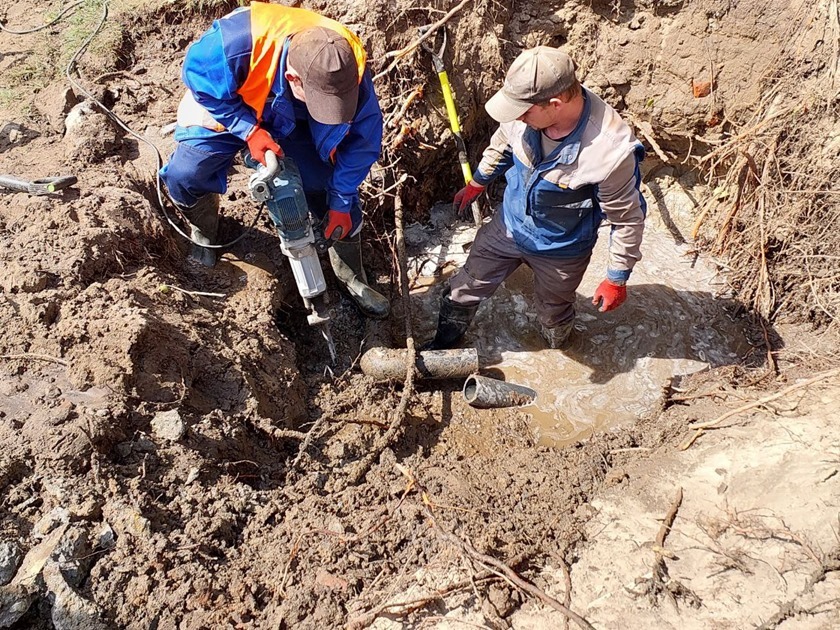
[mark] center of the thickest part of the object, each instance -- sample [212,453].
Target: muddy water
[675,321]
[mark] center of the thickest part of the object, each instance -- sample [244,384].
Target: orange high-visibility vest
[271,24]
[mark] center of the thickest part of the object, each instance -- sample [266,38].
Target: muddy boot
[453,321]
[204,225]
[557,337]
[346,260]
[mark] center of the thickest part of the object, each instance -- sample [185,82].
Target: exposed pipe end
[483,392]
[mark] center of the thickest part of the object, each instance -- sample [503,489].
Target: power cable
[42,27]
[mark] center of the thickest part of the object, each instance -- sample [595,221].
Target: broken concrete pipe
[490,393]
[388,364]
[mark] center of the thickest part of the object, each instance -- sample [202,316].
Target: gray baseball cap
[535,76]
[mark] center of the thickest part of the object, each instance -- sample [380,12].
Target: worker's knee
[466,290]
[191,173]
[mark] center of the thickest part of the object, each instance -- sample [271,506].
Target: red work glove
[465,196]
[259,141]
[609,296]
[339,225]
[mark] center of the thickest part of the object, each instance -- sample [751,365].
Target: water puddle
[675,322]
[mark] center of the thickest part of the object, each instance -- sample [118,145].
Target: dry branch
[361,468]
[29,356]
[402,52]
[714,424]
[495,566]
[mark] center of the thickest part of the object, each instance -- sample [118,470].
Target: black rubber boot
[346,261]
[204,226]
[557,337]
[453,321]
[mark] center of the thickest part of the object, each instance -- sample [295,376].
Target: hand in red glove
[259,141]
[465,196]
[609,296]
[339,225]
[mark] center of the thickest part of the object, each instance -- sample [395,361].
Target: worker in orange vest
[270,77]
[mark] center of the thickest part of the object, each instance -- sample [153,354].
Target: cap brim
[504,109]
[332,109]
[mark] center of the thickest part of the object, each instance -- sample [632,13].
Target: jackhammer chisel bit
[278,184]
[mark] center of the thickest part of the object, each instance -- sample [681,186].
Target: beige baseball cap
[330,75]
[535,76]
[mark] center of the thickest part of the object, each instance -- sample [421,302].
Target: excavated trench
[148,470]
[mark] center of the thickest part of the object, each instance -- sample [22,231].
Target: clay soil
[152,470]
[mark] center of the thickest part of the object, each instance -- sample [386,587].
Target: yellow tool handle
[450,102]
[455,125]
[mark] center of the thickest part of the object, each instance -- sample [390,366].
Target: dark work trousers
[494,256]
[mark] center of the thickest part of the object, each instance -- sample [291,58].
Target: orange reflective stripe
[271,24]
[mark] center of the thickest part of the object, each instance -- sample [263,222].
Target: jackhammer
[278,184]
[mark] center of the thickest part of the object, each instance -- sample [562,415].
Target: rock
[167,425]
[57,516]
[70,611]
[17,596]
[330,581]
[106,538]
[89,136]
[72,554]
[54,102]
[10,556]
[127,520]
[15,600]
[192,475]
[503,601]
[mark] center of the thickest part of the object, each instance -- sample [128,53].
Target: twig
[413,95]
[495,566]
[668,521]
[713,424]
[646,130]
[390,435]
[660,569]
[723,149]
[34,357]
[402,52]
[165,287]
[365,619]
[286,433]
[308,439]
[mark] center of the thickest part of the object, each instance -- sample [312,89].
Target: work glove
[259,141]
[609,296]
[465,196]
[339,225]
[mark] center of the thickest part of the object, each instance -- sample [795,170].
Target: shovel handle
[45,186]
[49,185]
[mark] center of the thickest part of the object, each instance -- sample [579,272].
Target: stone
[168,426]
[70,611]
[57,516]
[10,556]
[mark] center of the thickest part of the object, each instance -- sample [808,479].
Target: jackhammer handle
[272,163]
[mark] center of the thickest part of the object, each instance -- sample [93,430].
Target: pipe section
[490,393]
[388,364]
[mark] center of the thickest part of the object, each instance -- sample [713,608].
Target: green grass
[53,48]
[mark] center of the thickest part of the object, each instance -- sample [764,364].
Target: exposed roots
[775,180]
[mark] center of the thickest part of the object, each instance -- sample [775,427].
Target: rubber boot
[557,337]
[346,261]
[453,321]
[204,226]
